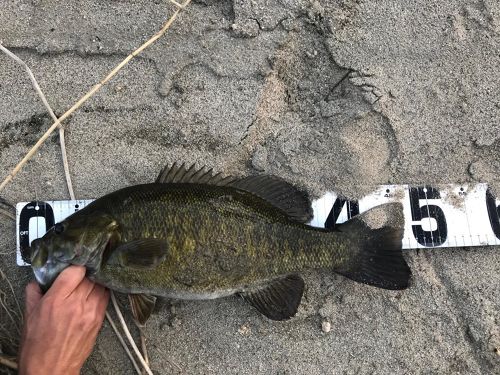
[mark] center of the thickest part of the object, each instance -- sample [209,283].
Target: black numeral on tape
[352,210]
[32,209]
[418,213]
[493,213]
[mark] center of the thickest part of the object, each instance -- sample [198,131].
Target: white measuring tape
[444,216]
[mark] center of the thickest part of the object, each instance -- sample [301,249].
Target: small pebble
[326,326]
[244,330]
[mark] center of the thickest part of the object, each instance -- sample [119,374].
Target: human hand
[61,327]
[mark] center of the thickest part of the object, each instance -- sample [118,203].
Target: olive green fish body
[195,235]
[220,240]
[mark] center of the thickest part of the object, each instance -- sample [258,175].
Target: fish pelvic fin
[142,306]
[377,257]
[278,300]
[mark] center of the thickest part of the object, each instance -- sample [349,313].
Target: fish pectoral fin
[141,254]
[278,300]
[142,306]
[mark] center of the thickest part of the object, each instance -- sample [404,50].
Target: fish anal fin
[278,300]
[143,253]
[142,306]
[276,191]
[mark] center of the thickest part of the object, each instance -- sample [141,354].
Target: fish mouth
[45,267]
[46,274]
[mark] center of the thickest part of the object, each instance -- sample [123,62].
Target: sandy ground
[338,94]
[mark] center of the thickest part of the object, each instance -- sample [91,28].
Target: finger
[67,281]
[84,289]
[33,296]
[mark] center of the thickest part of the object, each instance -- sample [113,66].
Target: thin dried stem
[8,311]
[122,341]
[88,95]
[7,213]
[32,78]
[19,312]
[7,209]
[40,93]
[178,5]
[129,336]
[143,346]
[8,361]
[62,142]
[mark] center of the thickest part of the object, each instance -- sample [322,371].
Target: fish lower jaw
[46,274]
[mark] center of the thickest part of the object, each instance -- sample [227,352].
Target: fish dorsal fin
[281,194]
[142,306]
[182,175]
[278,300]
[143,253]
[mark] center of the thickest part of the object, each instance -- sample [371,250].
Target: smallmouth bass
[195,235]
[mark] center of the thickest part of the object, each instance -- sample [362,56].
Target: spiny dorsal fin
[292,201]
[182,175]
[278,300]
[142,306]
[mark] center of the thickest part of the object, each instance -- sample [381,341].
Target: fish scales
[198,235]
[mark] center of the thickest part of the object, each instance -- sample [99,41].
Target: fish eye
[58,228]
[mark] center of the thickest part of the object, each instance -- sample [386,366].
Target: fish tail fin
[377,258]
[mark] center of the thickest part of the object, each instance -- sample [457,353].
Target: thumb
[33,296]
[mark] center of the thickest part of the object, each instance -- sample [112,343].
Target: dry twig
[129,336]
[143,346]
[120,338]
[51,112]
[91,93]
[8,361]
[9,312]
[62,143]
[19,312]
[180,6]
[7,209]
